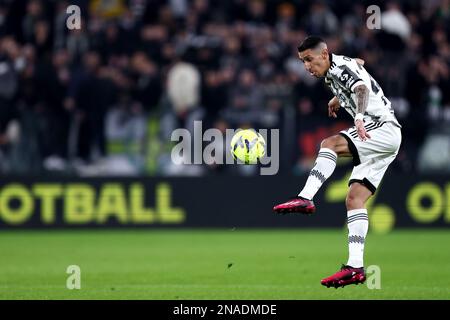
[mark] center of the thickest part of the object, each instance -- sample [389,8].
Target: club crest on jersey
[347,78]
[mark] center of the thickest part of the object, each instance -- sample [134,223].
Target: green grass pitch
[218,264]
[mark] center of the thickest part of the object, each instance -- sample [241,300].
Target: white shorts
[372,157]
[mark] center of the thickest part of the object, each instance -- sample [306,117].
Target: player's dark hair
[310,42]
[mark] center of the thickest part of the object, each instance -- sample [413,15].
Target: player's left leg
[330,149]
[324,166]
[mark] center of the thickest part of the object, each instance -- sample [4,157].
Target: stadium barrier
[223,202]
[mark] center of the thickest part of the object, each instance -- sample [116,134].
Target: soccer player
[373,143]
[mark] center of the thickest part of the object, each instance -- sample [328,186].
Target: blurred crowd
[105,98]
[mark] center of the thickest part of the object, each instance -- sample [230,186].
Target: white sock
[358,224]
[323,168]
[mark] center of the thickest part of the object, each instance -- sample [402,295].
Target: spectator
[239,67]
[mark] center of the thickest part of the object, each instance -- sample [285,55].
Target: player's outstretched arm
[362,101]
[360,61]
[333,107]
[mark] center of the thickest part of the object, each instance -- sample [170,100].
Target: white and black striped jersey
[344,75]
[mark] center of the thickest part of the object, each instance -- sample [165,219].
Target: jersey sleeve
[350,76]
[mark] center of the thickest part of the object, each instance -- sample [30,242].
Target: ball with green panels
[248,146]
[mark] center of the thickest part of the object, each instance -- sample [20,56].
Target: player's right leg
[358,224]
[324,166]
[373,157]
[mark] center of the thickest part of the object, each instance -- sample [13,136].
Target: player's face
[315,60]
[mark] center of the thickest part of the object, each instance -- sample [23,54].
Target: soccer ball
[248,146]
